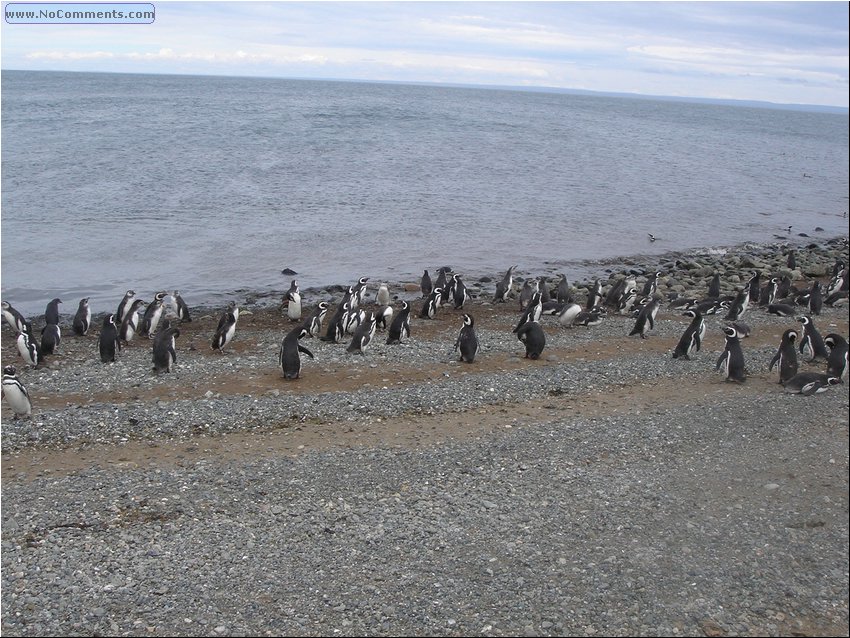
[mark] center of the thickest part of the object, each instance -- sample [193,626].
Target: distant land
[839,110]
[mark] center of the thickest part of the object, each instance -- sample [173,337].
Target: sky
[781,52]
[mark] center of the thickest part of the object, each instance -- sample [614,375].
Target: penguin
[594,296]
[786,356]
[400,327]
[289,357]
[683,303]
[739,305]
[552,307]
[14,318]
[363,335]
[164,352]
[543,286]
[449,289]
[528,290]
[743,329]
[383,317]
[425,284]
[754,285]
[836,364]
[781,310]
[838,281]
[532,312]
[429,308]
[124,306]
[27,347]
[313,323]
[651,285]
[691,340]
[153,313]
[709,306]
[646,319]
[590,317]
[615,293]
[15,393]
[108,341]
[131,321]
[809,383]
[563,291]
[505,287]
[292,301]
[784,288]
[226,327]
[467,340]
[791,262]
[336,326]
[358,292]
[82,320]
[627,302]
[461,294]
[732,358]
[51,314]
[714,286]
[811,343]
[352,320]
[382,297]
[836,299]
[568,314]
[769,292]
[442,279]
[815,299]
[180,307]
[652,237]
[531,333]
[50,338]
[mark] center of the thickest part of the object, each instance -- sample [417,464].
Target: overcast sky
[785,52]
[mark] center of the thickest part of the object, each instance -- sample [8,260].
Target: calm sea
[213,185]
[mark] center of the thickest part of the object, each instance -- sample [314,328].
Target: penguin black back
[289,357]
[532,335]
[400,327]
[467,340]
[108,341]
[82,320]
[786,356]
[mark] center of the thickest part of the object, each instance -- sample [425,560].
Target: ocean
[214,185]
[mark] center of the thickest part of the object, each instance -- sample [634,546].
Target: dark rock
[288,271]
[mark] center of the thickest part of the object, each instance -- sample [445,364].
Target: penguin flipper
[305,351]
[720,361]
[773,362]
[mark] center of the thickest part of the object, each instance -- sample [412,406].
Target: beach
[603,489]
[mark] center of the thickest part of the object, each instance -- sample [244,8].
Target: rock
[288,271]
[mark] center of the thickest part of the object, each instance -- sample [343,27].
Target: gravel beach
[604,489]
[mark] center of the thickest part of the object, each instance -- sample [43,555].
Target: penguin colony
[352,323]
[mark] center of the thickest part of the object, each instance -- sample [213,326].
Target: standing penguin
[108,341]
[180,307]
[816,299]
[292,300]
[313,323]
[461,294]
[153,313]
[27,346]
[14,318]
[336,326]
[131,321]
[769,292]
[651,285]
[811,343]
[425,284]
[531,333]
[467,340]
[529,288]
[754,285]
[226,327]
[164,351]
[289,357]
[739,305]
[383,317]
[358,292]
[124,306]
[532,312]
[714,286]
[645,319]
[786,356]
[82,320]
[563,292]
[732,358]
[504,287]
[50,338]
[691,340]
[429,307]
[791,262]
[543,286]
[363,335]
[836,365]
[382,297]
[594,296]
[400,327]
[51,314]
[15,393]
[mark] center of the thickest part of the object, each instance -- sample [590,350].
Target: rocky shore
[604,489]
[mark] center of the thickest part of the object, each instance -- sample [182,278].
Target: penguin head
[468,320]
[323,305]
[6,305]
[730,332]
[108,319]
[10,371]
[833,380]
[804,320]
[689,313]
[790,335]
